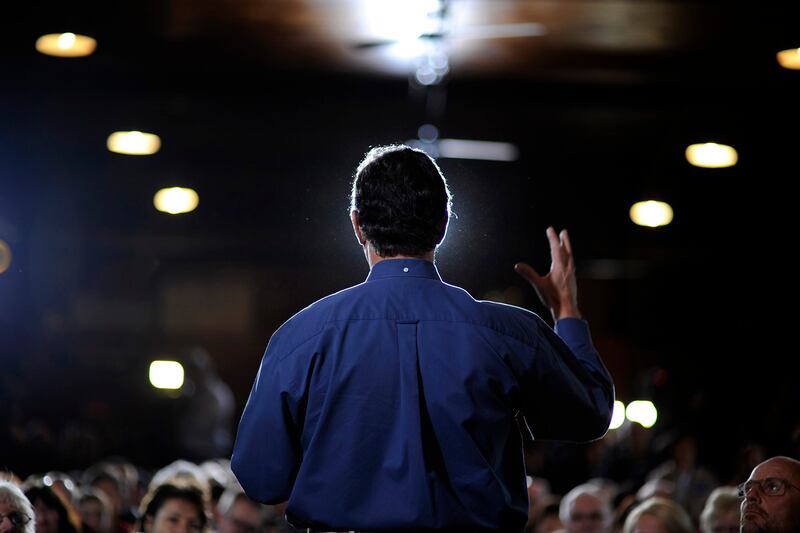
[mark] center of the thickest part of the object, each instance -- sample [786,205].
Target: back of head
[671,516]
[402,201]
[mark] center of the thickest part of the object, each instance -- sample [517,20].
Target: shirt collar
[410,268]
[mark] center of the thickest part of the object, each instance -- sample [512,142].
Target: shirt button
[405,269]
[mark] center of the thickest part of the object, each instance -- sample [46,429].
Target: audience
[184,497]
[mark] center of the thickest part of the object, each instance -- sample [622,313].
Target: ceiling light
[789,58]
[133,143]
[711,155]
[651,213]
[166,375]
[65,45]
[176,200]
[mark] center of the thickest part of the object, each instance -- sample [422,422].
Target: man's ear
[356,228]
[147,524]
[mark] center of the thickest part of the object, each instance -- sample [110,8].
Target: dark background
[266,114]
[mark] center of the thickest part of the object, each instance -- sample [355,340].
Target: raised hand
[557,290]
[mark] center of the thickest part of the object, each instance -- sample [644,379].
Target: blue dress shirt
[398,404]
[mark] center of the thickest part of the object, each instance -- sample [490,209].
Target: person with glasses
[771,497]
[585,509]
[16,512]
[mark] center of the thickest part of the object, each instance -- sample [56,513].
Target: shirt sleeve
[267,452]
[568,393]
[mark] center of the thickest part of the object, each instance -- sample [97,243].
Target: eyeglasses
[770,486]
[16,518]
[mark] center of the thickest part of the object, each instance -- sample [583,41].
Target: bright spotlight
[711,155]
[133,143]
[166,375]
[651,213]
[176,200]
[618,416]
[642,412]
[65,45]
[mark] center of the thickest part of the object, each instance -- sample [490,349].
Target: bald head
[771,501]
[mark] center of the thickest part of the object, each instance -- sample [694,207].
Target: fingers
[528,273]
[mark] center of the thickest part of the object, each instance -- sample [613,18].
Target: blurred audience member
[236,513]
[53,513]
[16,512]
[585,509]
[546,519]
[181,469]
[96,511]
[721,512]
[656,488]
[771,497]
[108,479]
[174,506]
[693,482]
[658,515]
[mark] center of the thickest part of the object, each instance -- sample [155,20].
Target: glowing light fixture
[166,375]
[711,155]
[642,412]
[66,45]
[5,256]
[176,200]
[651,213]
[485,150]
[133,143]
[618,415]
[790,58]
[400,20]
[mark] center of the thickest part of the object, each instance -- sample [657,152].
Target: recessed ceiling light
[711,155]
[66,45]
[176,200]
[133,143]
[651,213]
[789,58]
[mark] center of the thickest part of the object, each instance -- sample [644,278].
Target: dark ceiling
[265,107]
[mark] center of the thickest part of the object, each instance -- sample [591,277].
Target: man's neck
[373,258]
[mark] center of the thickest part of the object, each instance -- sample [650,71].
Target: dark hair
[181,489]
[68,521]
[401,199]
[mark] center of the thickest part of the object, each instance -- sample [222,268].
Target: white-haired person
[16,512]
[658,515]
[721,511]
[586,509]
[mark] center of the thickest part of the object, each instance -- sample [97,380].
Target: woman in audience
[16,512]
[658,515]
[96,511]
[174,506]
[53,513]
